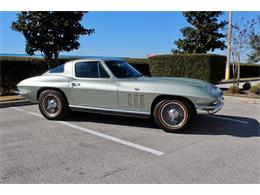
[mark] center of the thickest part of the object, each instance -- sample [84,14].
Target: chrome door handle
[75,84]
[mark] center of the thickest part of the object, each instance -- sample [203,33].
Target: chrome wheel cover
[173,114]
[51,105]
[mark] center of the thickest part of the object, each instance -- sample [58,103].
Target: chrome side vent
[141,101]
[135,100]
[130,100]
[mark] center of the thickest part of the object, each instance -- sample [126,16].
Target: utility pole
[227,73]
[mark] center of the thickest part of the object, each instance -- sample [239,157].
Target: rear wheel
[172,115]
[53,105]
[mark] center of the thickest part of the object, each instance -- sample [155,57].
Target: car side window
[90,70]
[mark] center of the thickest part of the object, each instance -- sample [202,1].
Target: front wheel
[172,115]
[53,105]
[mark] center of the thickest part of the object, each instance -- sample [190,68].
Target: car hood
[175,85]
[177,81]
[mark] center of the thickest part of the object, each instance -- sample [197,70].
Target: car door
[92,86]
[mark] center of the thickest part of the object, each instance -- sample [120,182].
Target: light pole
[227,72]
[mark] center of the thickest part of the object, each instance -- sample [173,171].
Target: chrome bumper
[211,109]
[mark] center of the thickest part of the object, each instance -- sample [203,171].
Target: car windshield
[122,69]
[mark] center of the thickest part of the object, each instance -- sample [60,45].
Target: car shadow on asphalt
[204,125]
[200,125]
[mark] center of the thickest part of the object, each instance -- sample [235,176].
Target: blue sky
[126,34]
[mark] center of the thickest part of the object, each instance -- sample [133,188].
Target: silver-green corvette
[112,86]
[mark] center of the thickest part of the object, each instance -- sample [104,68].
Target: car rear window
[58,69]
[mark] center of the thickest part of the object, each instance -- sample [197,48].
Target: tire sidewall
[63,106]
[161,124]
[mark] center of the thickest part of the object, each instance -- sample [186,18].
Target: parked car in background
[112,86]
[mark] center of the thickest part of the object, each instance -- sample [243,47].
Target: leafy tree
[254,56]
[203,35]
[50,32]
[242,33]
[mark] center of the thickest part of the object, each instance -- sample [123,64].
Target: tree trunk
[234,68]
[47,60]
[56,59]
[238,69]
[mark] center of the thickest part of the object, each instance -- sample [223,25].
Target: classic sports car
[112,86]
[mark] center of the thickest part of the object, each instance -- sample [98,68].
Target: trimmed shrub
[206,67]
[15,69]
[255,89]
[234,89]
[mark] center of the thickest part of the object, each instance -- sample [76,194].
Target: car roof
[96,59]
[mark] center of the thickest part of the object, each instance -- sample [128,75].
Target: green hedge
[201,66]
[206,67]
[15,69]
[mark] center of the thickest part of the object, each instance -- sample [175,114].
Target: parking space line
[105,136]
[228,119]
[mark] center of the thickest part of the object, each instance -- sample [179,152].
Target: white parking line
[105,136]
[228,119]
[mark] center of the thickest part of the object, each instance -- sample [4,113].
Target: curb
[15,103]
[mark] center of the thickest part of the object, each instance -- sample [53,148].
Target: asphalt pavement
[93,148]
